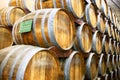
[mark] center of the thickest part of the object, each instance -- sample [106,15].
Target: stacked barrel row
[76,39]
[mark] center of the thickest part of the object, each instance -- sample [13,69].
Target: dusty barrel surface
[101,23]
[91,15]
[28,63]
[83,38]
[91,66]
[5,37]
[97,42]
[25,4]
[108,28]
[102,67]
[104,7]
[48,27]
[105,44]
[76,7]
[10,15]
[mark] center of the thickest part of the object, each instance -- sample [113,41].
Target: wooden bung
[5,37]
[25,62]
[91,66]
[76,7]
[83,39]
[72,64]
[25,4]
[10,15]
[97,42]
[48,28]
[105,44]
[101,23]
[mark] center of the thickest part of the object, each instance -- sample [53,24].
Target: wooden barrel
[110,13]
[117,62]
[25,4]
[114,19]
[116,34]
[91,15]
[115,76]
[113,31]
[105,44]
[114,62]
[72,63]
[109,62]
[98,3]
[91,66]
[106,77]
[118,48]
[83,38]
[5,37]
[74,66]
[76,7]
[25,62]
[115,46]
[104,7]
[10,15]
[118,73]
[48,27]
[119,36]
[102,67]
[97,42]
[101,23]
[111,45]
[108,28]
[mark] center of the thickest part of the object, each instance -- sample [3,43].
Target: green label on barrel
[26,26]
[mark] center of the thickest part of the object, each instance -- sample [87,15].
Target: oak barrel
[110,14]
[115,46]
[98,3]
[49,27]
[76,7]
[108,28]
[25,62]
[91,66]
[101,23]
[111,45]
[10,15]
[102,66]
[116,34]
[83,38]
[74,66]
[118,48]
[109,62]
[25,4]
[91,15]
[104,7]
[113,31]
[114,19]
[97,42]
[114,62]
[105,44]
[5,37]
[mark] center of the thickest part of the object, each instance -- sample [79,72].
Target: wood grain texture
[28,63]
[76,7]
[50,27]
